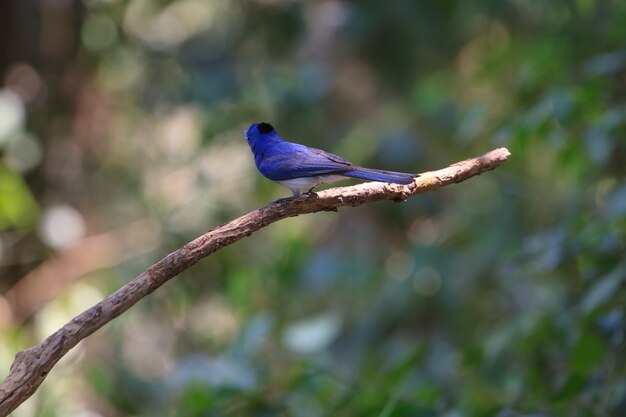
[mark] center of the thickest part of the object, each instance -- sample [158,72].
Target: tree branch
[31,366]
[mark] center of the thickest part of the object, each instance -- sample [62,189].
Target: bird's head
[259,132]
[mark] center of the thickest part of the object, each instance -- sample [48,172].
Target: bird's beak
[245,134]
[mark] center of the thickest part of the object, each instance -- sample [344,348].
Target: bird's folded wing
[301,161]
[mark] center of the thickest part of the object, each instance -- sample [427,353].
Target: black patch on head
[265,127]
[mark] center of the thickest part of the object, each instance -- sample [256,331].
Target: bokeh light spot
[427,281]
[24,81]
[11,114]
[61,226]
[312,335]
[99,33]
[399,265]
[24,153]
[424,232]
[121,70]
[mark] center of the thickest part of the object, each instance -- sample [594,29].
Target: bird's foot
[283,201]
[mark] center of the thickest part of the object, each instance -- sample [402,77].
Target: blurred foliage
[120,139]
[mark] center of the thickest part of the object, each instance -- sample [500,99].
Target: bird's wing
[292,160]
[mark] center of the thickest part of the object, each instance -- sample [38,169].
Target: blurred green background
[120,140]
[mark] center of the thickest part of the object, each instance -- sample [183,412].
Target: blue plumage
[301,168]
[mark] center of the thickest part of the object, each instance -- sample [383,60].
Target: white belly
[304,184]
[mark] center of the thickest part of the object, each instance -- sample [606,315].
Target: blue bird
[301,168]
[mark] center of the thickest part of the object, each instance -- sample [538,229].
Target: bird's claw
[283,201]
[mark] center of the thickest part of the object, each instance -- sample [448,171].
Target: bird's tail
[378,175]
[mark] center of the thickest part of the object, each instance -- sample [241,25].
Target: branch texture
[31,366]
